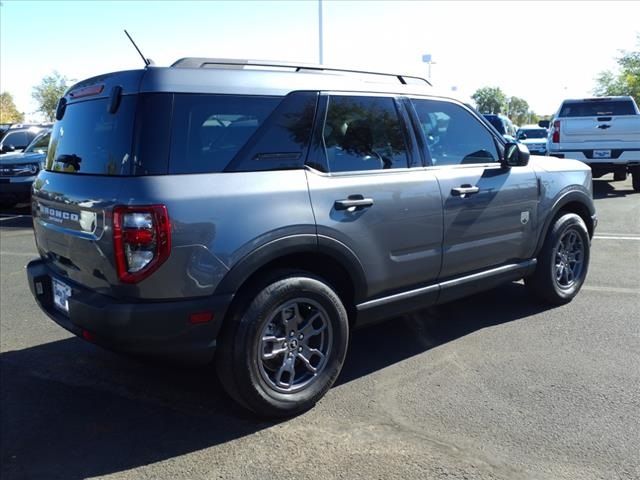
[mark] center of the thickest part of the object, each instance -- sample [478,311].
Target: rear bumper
[156,328]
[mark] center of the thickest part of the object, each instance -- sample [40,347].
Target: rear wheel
[620,176]
[281,354]
[635,178]
[563,261]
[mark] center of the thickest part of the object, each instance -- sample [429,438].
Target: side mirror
[8,148]
[522,136]
[515,155]
[544,123]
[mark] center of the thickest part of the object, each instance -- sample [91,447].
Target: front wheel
[282,353]
[563,261]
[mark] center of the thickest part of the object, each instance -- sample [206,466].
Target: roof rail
[202,62]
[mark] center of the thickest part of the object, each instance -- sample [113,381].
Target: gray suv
[256,214]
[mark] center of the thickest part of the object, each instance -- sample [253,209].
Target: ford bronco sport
[257,213]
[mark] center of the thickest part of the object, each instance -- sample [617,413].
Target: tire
[635,178]
[563,261]
[292,324]
[619,176]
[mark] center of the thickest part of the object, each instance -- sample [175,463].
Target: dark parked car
[19,170]
[15,140]
[503,125]
[259,216]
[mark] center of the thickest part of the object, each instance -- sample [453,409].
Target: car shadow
[71,410]
[604,189]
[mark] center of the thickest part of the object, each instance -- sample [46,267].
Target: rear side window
[210,130]
[453,135]
[363,133]
[282,141]
[90,140]
[596,108]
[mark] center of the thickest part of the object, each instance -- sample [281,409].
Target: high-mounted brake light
[141,240]
[87,91]
[556,132]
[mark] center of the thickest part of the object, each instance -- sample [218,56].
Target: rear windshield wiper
[72,159]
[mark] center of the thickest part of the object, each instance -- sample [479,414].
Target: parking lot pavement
[495,386]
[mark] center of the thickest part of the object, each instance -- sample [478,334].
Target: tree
[489,99]
[8,111]
[51,88]
[624,82]
[518,110]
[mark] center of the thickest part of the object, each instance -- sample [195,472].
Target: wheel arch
[574,201]
[322,256]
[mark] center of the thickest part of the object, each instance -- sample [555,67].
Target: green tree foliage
[51,88]
[624,82]
[8,111]
[518,111]
[490,99]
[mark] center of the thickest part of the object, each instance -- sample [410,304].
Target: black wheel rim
[569,259]
[294,345]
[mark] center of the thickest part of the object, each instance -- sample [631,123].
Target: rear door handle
[353,202]
[464,190]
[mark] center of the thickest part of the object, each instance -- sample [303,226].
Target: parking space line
[615,237]
[631,291]
[18,254]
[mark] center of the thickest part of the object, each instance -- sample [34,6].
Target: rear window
[532,133]
[90,140]
[597,108]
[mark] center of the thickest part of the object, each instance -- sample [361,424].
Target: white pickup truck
[602,132]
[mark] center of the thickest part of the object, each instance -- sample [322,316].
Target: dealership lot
[494,386]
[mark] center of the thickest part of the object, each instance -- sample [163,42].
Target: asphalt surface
[494,386]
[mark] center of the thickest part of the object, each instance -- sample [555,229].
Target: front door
[490,212]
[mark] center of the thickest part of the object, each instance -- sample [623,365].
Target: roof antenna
[147,61]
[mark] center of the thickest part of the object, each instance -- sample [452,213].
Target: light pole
[320,30]
[426,58]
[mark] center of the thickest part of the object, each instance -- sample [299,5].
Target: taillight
[556,132]
[141,240]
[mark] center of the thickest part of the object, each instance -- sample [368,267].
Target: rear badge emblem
[524,218]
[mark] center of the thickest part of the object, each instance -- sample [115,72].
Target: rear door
[489,211]
[366,196]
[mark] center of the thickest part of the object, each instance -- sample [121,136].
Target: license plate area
[602,154]
[61,294]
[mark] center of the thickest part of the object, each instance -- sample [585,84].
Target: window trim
[317,150]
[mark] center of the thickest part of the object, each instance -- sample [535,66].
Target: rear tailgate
[601,121]
[601,129]
[71,218]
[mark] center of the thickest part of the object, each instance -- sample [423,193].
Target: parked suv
[503,125]
[19,170]
[17,139]
[260,215]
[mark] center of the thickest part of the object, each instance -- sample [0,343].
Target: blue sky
[540,51]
